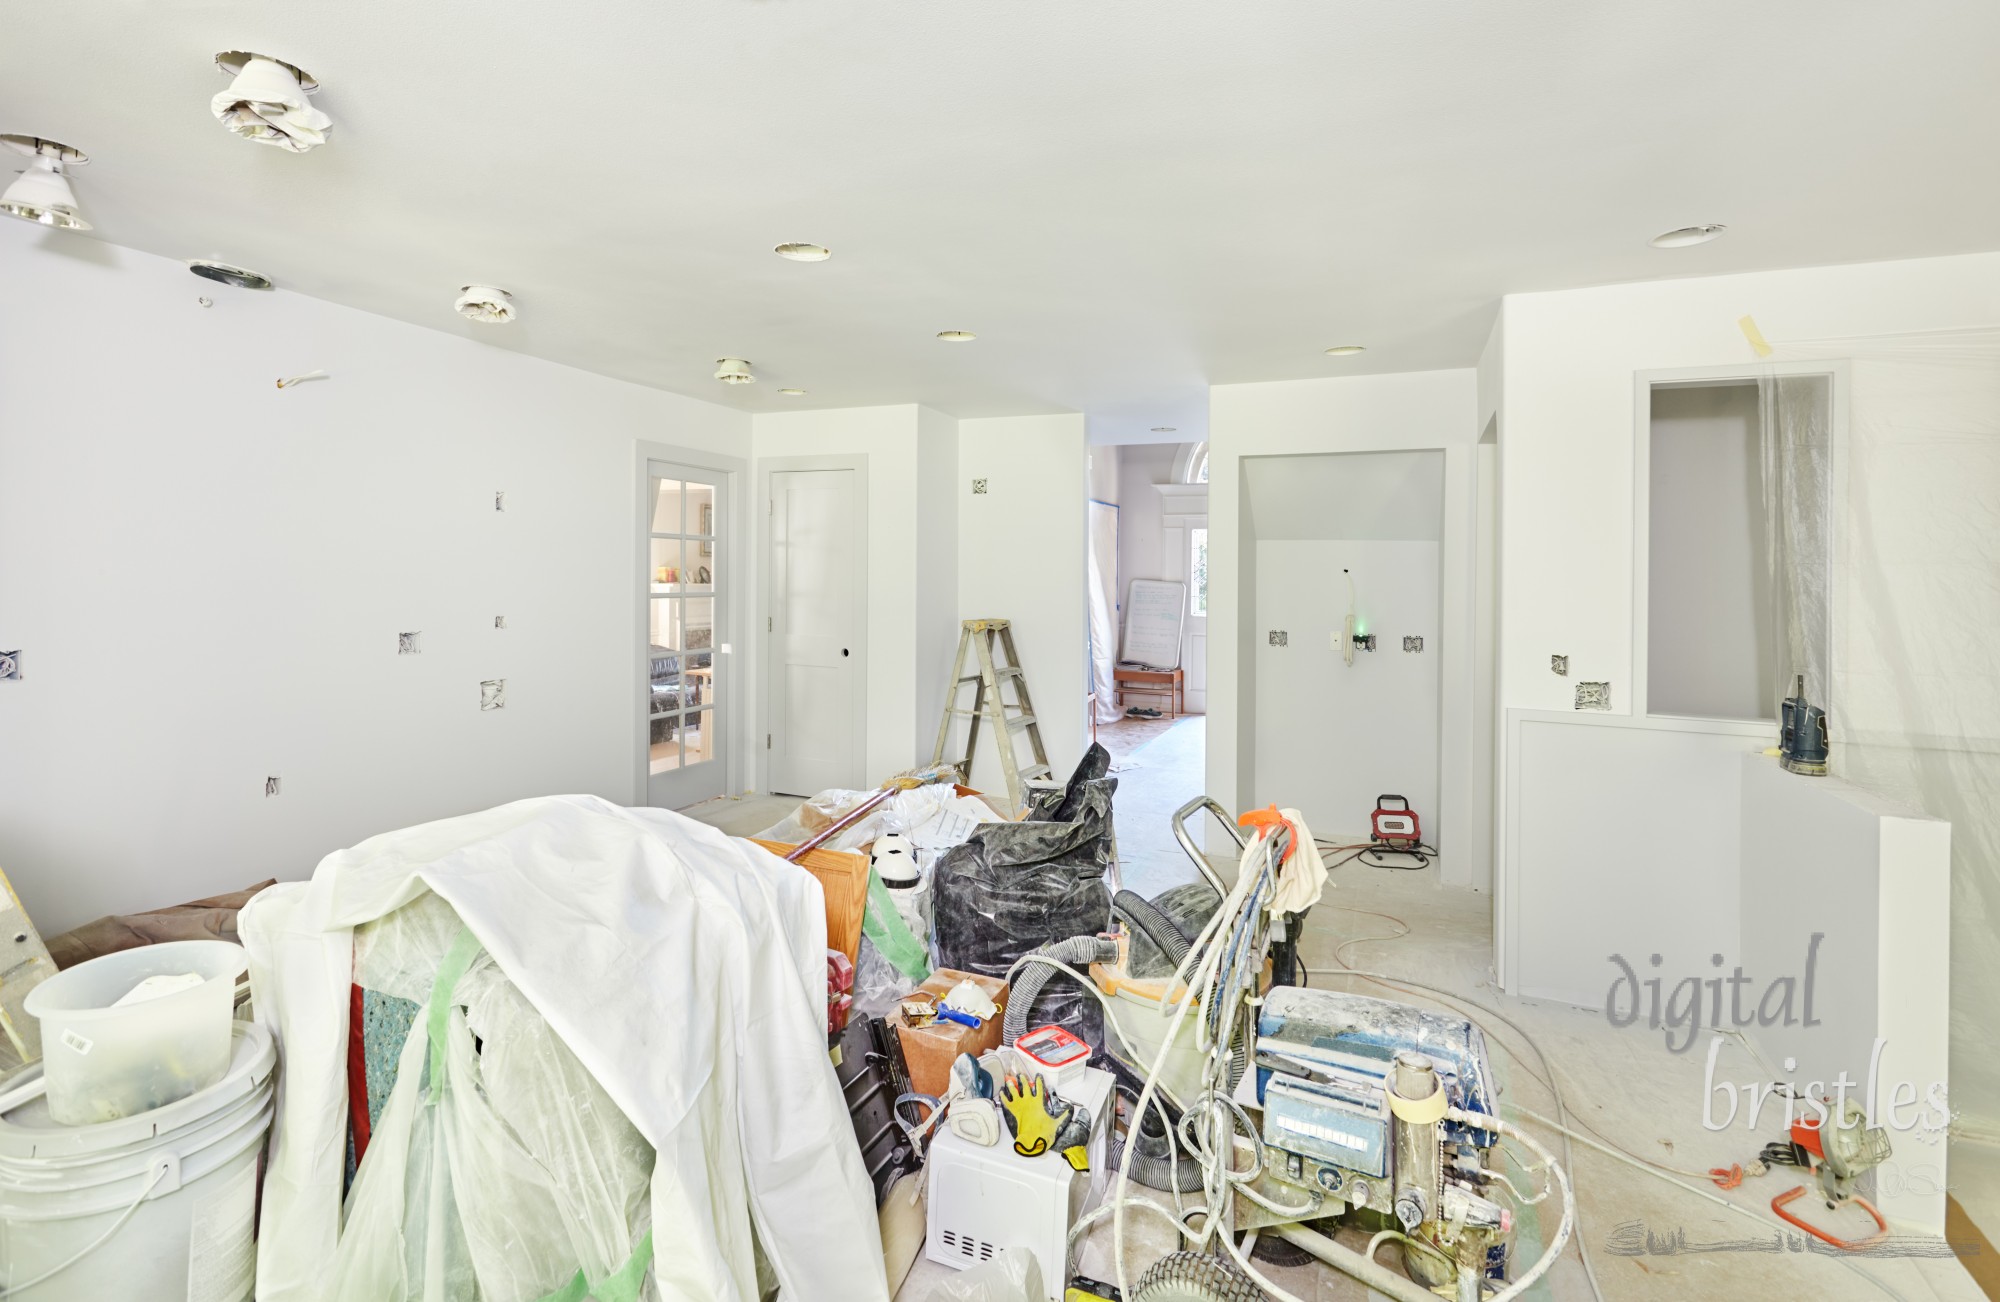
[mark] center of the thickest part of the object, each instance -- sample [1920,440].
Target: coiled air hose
[1077,951]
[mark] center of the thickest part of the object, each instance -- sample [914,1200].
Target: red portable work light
[1395,825]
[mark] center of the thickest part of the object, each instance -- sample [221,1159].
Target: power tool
[1802,744]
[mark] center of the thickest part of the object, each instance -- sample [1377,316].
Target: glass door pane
[685,717]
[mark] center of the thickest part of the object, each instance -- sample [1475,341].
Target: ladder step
[997,673]
[1025,721]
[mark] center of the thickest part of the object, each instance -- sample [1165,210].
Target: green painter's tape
[457,959]
[890,935]
[621,1285]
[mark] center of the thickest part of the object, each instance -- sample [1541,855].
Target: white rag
[267,104]
[1302,876]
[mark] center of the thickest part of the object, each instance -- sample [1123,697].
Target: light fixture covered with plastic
[485,304]
[957,336]
[733,370]
[1345,350]
[793,393]
[804,252]
[1687,235]
[268,102]
[1164,429]
[42,194]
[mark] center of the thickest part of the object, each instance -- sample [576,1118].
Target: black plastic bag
[1014,887]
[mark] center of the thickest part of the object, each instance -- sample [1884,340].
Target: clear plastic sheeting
[1102,591]
[1014,1275]
[455,1201]
[540,1176]
[1796,443]
[1913,605]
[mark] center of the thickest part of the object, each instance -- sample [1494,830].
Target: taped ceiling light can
[485,304]
[41,194]
[268,102]
[733,370]
[225,274]
[1688,235]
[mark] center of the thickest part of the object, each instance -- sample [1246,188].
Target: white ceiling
[1128,200]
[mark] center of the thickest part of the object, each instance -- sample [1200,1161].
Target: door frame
[857,462]
[1184,507]
[733,740]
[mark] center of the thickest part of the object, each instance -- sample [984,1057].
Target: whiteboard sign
[1153,616]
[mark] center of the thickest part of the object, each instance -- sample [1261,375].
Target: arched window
[1191,464]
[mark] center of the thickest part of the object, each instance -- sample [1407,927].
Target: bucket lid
[27,1131]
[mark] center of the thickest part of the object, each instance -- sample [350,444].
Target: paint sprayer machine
[1295,1113]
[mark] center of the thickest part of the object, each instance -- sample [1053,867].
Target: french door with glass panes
[688,703]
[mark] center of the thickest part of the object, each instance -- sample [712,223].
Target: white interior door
[688,693]
[815,614]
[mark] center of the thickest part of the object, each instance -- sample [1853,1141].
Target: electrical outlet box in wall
[10,666]
[1593,696]
[978,487]
[409,644]
[500,501]
[499,621]
[493,694]
[1413,644]
[1279,637]
[270,786]
[1559,665]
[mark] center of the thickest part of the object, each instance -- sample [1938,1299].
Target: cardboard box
[929,1051]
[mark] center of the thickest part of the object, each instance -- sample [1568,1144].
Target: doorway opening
[1148,586]
[1341,636]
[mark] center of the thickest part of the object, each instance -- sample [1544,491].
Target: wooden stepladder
[990,706]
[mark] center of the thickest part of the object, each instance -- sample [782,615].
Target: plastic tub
[102,1062]
[159,1207]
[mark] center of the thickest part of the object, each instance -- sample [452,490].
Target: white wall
[938,490]
[207,576]
[1332,737]
[1568,376]
[910,452]
[1141,466]
[1020,557]
[1567,386]
[1428,409]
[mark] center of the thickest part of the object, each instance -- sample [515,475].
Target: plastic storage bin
[102,1062]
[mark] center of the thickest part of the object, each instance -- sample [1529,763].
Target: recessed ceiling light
[733,370]
[793,393]
[804,252]
[42,194]
[1163,429]
[1345,350]
[225,274]
[1687,235]
[957,336]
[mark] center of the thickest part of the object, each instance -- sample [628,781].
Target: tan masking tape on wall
[1758,345]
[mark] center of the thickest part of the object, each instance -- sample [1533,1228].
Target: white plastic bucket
[102,1062]
[159,1206]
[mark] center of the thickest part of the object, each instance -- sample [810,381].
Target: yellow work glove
[1026,1106]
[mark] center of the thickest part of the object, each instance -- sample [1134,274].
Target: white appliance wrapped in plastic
[629,973]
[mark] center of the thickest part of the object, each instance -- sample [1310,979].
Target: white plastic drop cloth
[676,975]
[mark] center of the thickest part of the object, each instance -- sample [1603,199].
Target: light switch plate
[1593,696]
